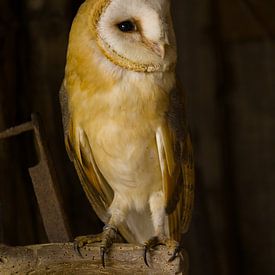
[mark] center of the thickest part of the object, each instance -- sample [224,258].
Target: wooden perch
[62,259]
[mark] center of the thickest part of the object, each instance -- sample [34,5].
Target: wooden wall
[226,63]
[226,53]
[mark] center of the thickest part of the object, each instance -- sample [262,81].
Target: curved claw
[107,237]
[77,249]
[175,254]
[145,256]
[173,257]
[102,254]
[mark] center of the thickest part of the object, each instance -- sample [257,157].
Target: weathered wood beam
[44,182]
[62,259]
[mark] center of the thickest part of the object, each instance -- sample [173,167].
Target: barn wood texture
[44,181]
[62,259]
[226,64]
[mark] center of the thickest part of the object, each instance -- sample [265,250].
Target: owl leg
[156,203]
[110,233]
[118,213]
[106,239]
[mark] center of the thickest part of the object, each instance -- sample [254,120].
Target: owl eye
[126,26]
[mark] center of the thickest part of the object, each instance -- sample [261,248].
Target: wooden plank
[251,104]
[46,24]
[252,19]
[7,87]
[15,212]
[199,68]
[44,182]
[62,259]
[46,186]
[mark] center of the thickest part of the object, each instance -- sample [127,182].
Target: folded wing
[177,166]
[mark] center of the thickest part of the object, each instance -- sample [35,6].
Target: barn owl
[125,125]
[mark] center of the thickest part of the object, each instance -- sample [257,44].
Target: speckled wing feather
[177,166]
[98,191]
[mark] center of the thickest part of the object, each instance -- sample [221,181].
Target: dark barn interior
[226,63]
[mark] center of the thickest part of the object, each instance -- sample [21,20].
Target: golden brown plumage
[124,120]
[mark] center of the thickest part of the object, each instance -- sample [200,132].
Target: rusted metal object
[44,182]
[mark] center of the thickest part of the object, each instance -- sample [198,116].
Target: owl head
[134,34]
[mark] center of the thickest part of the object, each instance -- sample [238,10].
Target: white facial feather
[153,20]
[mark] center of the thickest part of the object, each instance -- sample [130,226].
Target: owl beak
[159,49]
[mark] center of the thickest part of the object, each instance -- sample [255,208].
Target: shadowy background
[227,65]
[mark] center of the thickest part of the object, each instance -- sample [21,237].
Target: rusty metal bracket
[44,182]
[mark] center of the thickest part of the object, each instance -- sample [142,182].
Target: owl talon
[102,255]
[177,251]
[150,244]
[82,241]
[77,249]
[145,256]
[106,238]
[155,241]
[175,254]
